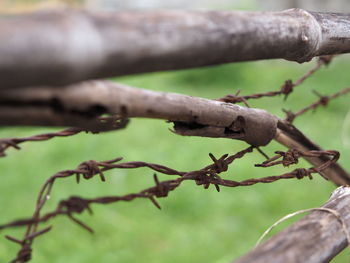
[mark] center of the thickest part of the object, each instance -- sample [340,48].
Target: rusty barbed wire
[112,122]
[209,175]
[206,176]
[292,156]
[322,101]
[14,142]
[285,89]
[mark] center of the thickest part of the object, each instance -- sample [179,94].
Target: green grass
[194,225]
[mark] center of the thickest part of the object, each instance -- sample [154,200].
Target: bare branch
[85,101]
[80,105]
[40,49]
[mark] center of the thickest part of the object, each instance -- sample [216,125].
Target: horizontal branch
[316,238]
[80,106]
[64,47]
[86,101]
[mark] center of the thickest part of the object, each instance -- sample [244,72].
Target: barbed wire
[292,157]
[288,88]
[209,175]
[14,142]
[285,89]
[112,122]
[322,101]
[206,176]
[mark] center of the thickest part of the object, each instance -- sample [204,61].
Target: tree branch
[86,101]
[63,47]
[80,106]
[318,237]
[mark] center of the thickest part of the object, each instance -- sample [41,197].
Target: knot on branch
[75,204]
[89,169]
[287,88]
[300,173]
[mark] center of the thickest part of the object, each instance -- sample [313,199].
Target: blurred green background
[194,225]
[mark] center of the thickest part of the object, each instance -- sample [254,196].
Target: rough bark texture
[318,237]
[63,47]
[192,116]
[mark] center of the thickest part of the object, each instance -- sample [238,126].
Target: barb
[112,122]
[205,177]
[292,157]
[322,101]
[88,170]
[285,90]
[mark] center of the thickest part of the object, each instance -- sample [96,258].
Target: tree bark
[88,100]
[318,237]
[64,47]
[78,106]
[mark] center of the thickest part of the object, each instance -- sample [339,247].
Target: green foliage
[195,225]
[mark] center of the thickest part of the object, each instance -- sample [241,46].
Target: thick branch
[318,237]
[86,101]
[63,47]
[79,105]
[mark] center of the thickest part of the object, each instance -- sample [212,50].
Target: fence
[39,86]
